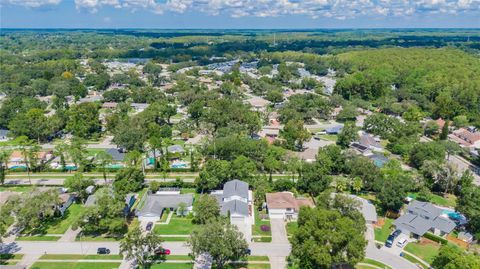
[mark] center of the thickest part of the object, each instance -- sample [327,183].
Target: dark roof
[235,188]
[369,141]
[116,154]
[175,148]
[413,223]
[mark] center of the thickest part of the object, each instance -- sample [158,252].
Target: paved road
[176,248]
[388,258]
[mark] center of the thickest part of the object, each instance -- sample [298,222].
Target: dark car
[389,241]
[396,233]
[103,251]
[162,251]
[249,251]
[149,226]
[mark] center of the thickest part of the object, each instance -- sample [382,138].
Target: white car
[402,242]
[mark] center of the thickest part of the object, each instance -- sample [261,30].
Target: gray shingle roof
[235,207]
[423,209]
[423,216]
[155,203]
[175,148]
[235,188]
[116,154]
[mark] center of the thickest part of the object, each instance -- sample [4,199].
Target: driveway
[279,233]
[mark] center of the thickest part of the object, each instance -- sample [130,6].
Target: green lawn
[80,257]
[376,263]
[10,259]
[450,200]
[71,215]
[75,265]
[100,238]
[172,266]
[174,238]
[256,229]
[263,239]
[178,257]
[425,251]
[414,260]
[37,238]
[177,225]
[248,265]
[291,228]
[16,188]
[382,234]
[141,193]
[328,137]
[258,258]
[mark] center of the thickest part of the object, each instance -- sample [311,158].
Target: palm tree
[4,155]
[103,159]
[61,150]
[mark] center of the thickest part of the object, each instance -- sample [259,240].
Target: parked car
[396,233]
[163,251]
[402,242]
[149,226]
[249,251]
[389,241]
[103,251]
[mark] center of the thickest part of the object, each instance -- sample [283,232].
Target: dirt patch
[458,242]
[425,241]
[380,223]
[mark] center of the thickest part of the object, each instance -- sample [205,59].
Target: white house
[237,201]
[283,205]
[155,205]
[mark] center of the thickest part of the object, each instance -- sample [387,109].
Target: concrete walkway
[29,259]
[279,233]
[69,235]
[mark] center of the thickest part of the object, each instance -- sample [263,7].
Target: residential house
[155,205]
[118,157]
[334,129]
[4,135]
[90,99]
[466,137]
[367,144]
[176,149]
[139,107]
[309,155]
[236,201]
[422,217]
[17,161]
[258,103]
[270,133]
[66,199]
[109,105]
[283,205]
[129,202]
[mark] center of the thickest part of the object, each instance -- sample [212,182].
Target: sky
[239,14]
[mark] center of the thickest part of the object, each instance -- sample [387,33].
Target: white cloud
[33,3]
[340,9]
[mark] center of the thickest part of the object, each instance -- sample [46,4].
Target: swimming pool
[179,165]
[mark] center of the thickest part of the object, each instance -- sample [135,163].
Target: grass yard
[10,259]
[37,238]
[177,225]
[139,199]
[248,265]
[413,260]
[263,239]
[376,263]
[450,200]
[258,258]
[178,258]
[71,215]
[75,265]
[174,238]
[256,229]
[100,238]
[172,266]
[424,250]
[382,234]
[16,188]
[80,257]
[291,228]
[328,137]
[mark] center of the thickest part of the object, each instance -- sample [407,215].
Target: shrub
[435,238]
[265,228]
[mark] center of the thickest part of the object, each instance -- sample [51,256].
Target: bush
[265,228]
[435,238]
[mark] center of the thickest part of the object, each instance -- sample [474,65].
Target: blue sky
[240,14]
